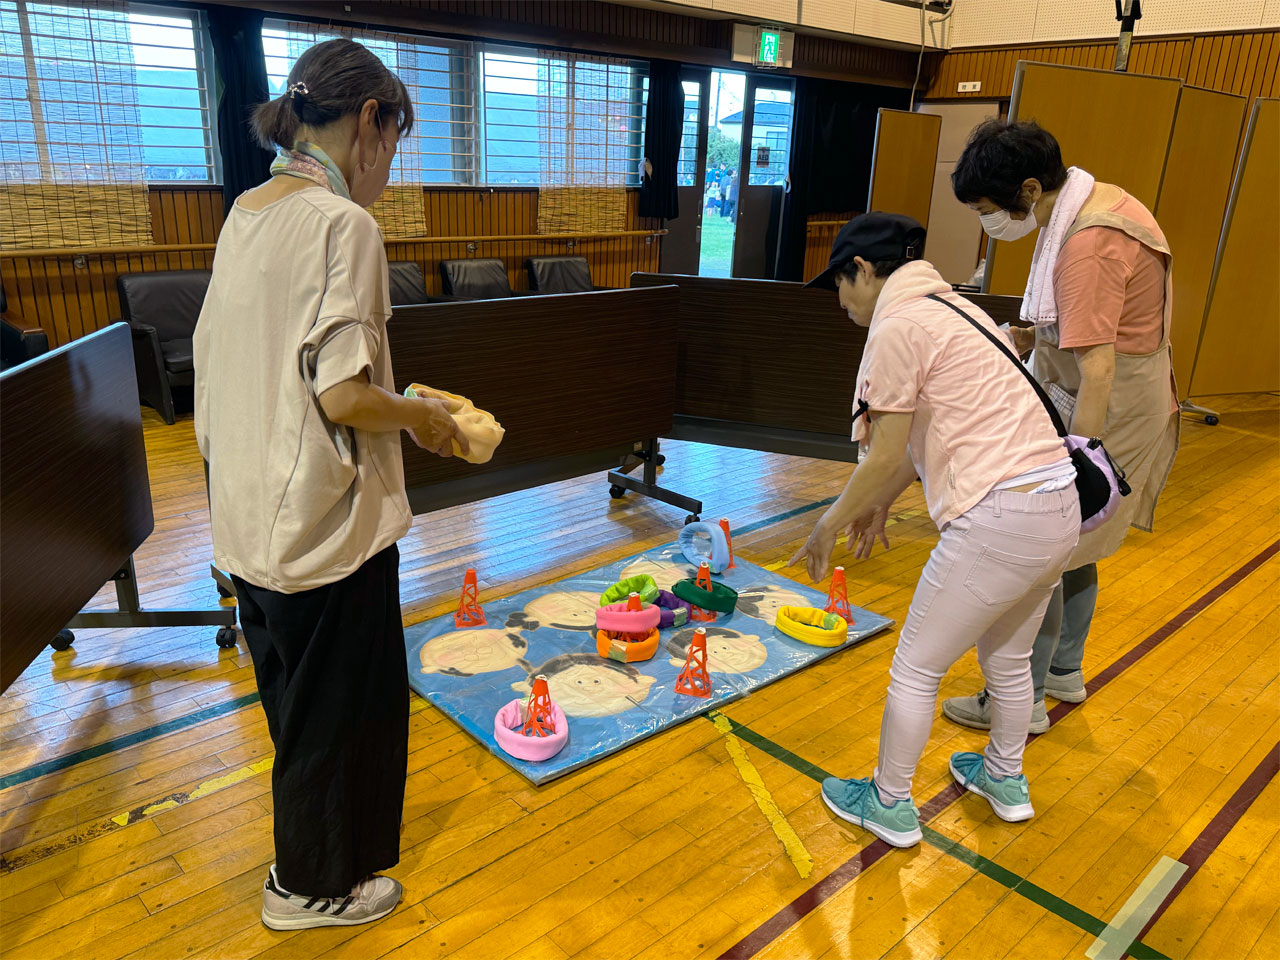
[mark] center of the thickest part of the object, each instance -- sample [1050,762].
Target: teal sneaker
[1010,797]
[858,801]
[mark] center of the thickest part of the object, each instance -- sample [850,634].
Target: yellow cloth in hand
[482,431]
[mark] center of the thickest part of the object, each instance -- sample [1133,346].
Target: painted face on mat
[586,686]
[564,610]
[764,602]
[465,653]
[728,651]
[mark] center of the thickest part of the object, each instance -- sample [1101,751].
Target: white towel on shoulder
[1038,303]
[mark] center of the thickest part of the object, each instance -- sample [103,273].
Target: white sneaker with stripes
[369,900]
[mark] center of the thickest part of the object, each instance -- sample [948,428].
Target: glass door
[681,246]
[766,158]
[721,177]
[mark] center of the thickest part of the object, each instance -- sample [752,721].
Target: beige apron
[1140,432]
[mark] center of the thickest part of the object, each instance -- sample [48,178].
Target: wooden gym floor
[136,783]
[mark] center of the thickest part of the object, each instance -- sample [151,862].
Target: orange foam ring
[470,613]
[703,581]
[694,680]
[537,710]
[724,525]
[838,595]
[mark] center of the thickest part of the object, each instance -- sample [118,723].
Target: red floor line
[828,886]
[1218,828]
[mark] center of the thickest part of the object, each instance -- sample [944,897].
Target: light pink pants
[986,583]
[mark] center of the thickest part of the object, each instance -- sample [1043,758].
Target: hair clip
[298,88]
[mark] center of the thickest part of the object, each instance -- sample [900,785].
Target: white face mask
[1001,225]
[368,180]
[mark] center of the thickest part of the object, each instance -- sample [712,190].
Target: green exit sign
[770,42]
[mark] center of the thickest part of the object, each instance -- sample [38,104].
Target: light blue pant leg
[1060,640]
[1046,642]
[1079,598]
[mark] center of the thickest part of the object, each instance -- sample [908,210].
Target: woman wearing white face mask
[1098,296]
[297,416]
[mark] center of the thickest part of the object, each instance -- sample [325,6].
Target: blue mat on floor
[470,674]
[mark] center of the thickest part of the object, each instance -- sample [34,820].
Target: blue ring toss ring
[688,543]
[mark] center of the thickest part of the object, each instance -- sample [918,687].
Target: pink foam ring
[616,618]
[506,731]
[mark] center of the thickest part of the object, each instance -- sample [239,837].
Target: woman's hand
[864,530]
[816,552]
[435,430]
[1024,339]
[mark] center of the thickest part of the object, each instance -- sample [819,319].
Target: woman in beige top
[297,416]
[1098,297]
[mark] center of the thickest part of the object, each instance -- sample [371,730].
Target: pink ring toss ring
[508,722]
[616,618]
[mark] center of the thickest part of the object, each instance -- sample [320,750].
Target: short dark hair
[881,268]
[1000,156]
[339,76]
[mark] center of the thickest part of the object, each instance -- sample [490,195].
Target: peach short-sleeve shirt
[1109,287]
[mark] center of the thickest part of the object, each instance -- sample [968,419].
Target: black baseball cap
[873,237]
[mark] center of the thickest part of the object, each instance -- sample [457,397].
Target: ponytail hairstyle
[330,81]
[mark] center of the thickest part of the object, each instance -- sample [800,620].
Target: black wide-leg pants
[334,680]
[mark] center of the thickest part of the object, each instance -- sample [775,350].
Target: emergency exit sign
[770,44]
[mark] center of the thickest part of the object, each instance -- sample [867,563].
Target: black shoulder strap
[1003,348]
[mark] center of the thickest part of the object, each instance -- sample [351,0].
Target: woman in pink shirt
[1098,296]
[938,400]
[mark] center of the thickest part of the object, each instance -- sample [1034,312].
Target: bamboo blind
[74,215]
[400,211]
[582,209]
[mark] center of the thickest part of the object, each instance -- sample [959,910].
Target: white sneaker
[975,712]
[369,900]
[1068,687]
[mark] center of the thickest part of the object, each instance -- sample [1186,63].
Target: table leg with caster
[620,482]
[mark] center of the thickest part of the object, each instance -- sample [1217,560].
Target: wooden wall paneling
[1240,343]
[1115,125]
[1192,204]
[1245,63]
[902,170]
[605,28]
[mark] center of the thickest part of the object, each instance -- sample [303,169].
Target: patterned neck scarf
[308,161]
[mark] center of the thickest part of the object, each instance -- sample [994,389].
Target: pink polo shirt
[977,422]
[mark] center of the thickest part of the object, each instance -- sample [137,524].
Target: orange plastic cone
[537,710]
[469,612]
[838,595]
[703,581]
[724,525]
[633,602]
[694,679]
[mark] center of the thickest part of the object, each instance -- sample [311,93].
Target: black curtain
[664,123]
[832,148]
[241,72]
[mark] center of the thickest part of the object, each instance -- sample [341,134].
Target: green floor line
[988,868]
[222,709]
[127,740]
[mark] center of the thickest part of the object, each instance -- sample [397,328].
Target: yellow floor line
[203,790]
[783,830]
[1114,942]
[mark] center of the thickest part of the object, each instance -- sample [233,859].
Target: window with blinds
[437,74]
[103,93]
[492,115]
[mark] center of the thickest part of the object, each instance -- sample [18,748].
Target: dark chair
[408,286]
[162,308]
[20,341]
[475,279]
[559,274]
